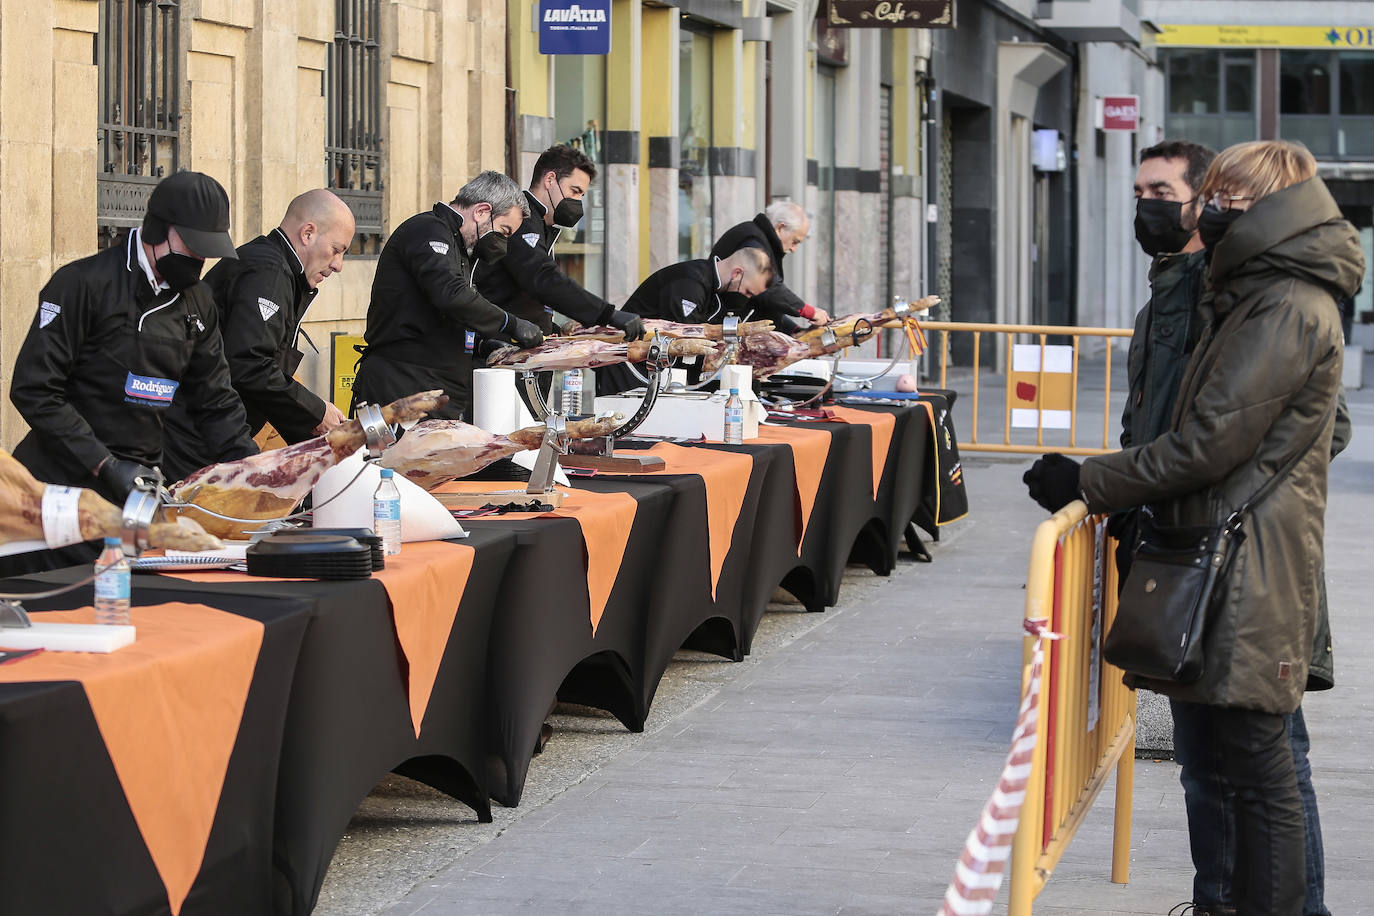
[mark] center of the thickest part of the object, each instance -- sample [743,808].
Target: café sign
[890,14]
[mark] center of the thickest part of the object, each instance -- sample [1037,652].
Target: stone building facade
[252,92]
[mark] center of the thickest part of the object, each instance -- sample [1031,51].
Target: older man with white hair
[777,231]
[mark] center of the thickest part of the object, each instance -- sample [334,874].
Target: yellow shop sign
[1339,37]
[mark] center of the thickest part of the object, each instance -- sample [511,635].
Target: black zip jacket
[759,233]
[262,299]
[423,301]
[527,281]
[104,358]
[683,292]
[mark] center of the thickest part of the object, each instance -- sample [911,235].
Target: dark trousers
[1251,839]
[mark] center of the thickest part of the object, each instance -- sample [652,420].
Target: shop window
[579,111]
[1326,101]
[138,53]
[353,104]
[1211,95]
[694,136]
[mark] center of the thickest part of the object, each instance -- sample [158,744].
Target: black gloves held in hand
[526,334]
[629,322]
[1053,481]
[120,477]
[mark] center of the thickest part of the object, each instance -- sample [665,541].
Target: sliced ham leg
[437,451]
[887,318]
[562,353]
[271,484]
[657,327]
[21,518]
[772,352]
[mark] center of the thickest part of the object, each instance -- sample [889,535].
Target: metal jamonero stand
[599,453]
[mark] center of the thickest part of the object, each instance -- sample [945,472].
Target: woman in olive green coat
[1263,382]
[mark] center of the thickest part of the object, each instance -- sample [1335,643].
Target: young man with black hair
[527,281]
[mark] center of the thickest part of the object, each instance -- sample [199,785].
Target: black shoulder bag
[1178,578]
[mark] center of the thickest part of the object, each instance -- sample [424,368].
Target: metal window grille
[353,150]
[138,54]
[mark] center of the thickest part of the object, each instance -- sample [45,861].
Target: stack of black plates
[361,535]
[310,556]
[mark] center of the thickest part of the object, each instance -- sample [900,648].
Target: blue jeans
[1210,803]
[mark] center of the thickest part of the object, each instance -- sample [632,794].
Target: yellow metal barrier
[1087,716]
[1040,332]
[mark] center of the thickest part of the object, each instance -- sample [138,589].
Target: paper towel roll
[423,518]
[735,376]
[494,400]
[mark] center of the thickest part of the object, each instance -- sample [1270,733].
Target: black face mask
[1213,223]
[491,245]
[568,213]
[1159,226]
[179,271]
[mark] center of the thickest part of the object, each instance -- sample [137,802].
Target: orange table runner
[810,447]
[605,520]
[169,709]
[726,475]
[424,584]
[882,424]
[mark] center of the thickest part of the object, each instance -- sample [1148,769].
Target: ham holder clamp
[599,453]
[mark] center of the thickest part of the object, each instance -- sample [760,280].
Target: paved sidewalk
[839,769]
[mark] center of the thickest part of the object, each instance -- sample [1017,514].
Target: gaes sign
[574,26]
[1121,112]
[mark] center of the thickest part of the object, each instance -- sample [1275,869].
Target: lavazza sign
[583,27]
[574,14]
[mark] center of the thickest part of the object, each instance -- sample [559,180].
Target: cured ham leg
[269,485]
[21,518]
[657,327]
[887,318]
[774,351]
[437,451]
[559,353]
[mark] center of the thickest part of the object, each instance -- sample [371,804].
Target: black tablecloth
[328,711]
[68,839]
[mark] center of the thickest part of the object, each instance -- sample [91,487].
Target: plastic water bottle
[112,585]
[572,392]
[386,513]
[734,418]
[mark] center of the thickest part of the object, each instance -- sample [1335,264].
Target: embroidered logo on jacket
[149,389]
[688,307]
[439,247]
[47,311]
[531,239]
[268,308]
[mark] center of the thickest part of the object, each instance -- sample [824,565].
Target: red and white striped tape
[978,873]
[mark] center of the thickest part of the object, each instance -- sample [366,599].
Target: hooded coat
[1263,381]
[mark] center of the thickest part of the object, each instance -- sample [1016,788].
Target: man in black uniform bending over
[690,292]
[527,281]
[425,317]
[777,232]
[262,299]
[117,336]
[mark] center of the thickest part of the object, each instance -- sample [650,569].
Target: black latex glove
[489,345]
[791,324]
[1053,481]
[526,334]
[629,322]
[120,477]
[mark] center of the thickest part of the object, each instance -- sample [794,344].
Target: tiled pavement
[839,769]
